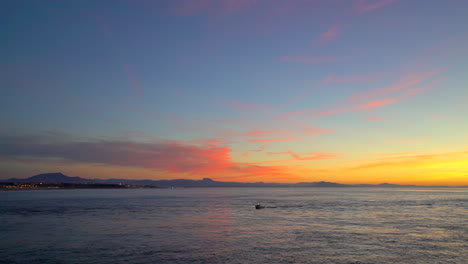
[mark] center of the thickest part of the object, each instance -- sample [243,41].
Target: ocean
[221,225]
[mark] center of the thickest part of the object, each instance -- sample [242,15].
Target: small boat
[258,206]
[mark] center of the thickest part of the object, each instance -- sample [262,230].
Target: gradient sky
[349,91]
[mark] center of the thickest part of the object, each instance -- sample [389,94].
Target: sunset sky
[348,91]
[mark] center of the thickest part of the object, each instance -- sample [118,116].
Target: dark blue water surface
[221,225]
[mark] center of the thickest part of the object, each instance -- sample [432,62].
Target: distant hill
[321,184]
[55,177]
[58,177]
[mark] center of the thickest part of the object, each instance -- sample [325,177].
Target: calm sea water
[220,225]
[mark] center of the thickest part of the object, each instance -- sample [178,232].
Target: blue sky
[279,90]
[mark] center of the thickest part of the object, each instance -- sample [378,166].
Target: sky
[348,91]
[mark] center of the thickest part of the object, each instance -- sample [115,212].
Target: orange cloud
[172,157]
[424,161]
[392,154]
[260,149]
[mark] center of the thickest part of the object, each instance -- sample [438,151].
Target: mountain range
[58,177]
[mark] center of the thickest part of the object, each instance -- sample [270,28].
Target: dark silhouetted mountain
[389,185]
[321,184]
[55,177]
[206,182]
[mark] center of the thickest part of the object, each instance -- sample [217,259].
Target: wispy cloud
[393,154]
[328,36]
[432,160]
[317,131]
[314,156]
[133,79]
[328,79]
[312,59]
[367,106]
[360,7]
[265,133]
[369,101]
[244,106]
[373,118]
[132,76]
[357,78]
[260,149]
[195,7]
[190,7]
[410,141]
[263,136]
[404,83]
[363,6]
[270,140]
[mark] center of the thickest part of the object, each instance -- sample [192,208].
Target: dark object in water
[258,206]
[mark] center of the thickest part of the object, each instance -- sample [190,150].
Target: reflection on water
[221,225]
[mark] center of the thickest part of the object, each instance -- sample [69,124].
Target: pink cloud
[266,136]
[329,79]
[331,34]
[362,6]
[317,131]
[404,83]
[128,69]
[375,104]
[260,149]
[402,153]
[365,101]
[367,106]
[133,79]
[357,78]
[243,106]
[144,111]
[330,112]
[195,7]
[265,133]
[230,6]
[305,111]
[373,118]
[270,140]
[302,95]
[371,105]
[410,141]
[190,7]
[315,156]
[133,133]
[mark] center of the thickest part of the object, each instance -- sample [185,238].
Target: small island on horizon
[58,180]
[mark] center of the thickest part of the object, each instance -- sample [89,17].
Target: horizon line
[284,183]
